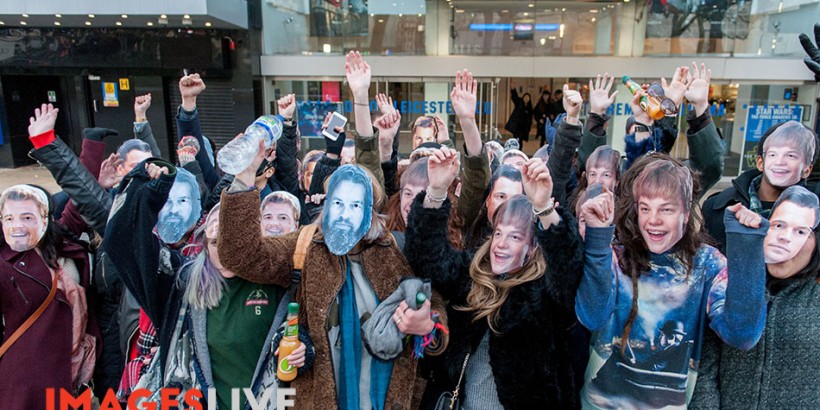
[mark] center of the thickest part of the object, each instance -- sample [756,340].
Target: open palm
[463,96]
[357,72]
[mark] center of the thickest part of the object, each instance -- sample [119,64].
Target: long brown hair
[488,293]
[655,174]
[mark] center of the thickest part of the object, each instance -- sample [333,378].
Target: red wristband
[43,139]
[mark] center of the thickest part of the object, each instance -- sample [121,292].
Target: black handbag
[449,400]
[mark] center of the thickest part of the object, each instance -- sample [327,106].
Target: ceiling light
[91,16]
[526,14]
[593,19]
[25,16]
[119,23]
[2,23]
[125,16]
[381,21]
[87,23]
[163,16]
[530,5]
[23,23]
[187,16]
[150,23]
[58,15]
[593,11]
[626,1]
[207,24]
[56,23]
[187,22]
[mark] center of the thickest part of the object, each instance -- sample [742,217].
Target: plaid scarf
[754,200]
[141,355]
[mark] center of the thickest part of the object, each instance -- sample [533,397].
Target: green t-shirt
[236,334]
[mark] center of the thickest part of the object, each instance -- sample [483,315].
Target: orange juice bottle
[290,342]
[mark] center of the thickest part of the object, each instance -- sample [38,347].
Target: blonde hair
[488,293]
[283,197]
[25,193]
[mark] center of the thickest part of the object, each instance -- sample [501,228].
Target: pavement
[31,174]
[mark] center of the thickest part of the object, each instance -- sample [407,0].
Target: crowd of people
[473,277]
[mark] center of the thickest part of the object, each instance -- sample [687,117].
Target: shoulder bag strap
[302,243]
[33,318]
[458,385]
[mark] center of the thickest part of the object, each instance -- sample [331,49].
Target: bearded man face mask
[181,210]
[348,209]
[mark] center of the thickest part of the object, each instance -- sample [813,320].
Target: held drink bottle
[654,102]
[236,155]
[285,371]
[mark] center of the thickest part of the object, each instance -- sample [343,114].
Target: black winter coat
[530,356]
[739,192]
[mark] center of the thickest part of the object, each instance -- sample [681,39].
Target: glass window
[384,27]
[752,28]
[533,28]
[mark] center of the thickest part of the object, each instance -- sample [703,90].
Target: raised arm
[737,296]
[242,248]
[287,172]
[705,149]
[358,79]
[558,237]
[600,100]
[566,141]
[595,301]
[89,199]
[427,248]
[130,243]
[475,172]
[142,128]
[190,86]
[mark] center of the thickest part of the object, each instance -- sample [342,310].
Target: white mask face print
[182,209]
[348,209]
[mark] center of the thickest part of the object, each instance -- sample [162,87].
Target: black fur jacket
[530,359]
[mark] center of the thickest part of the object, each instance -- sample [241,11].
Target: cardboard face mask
[348,209]
[182,209]
[24,223]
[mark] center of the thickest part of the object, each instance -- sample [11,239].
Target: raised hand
[640,115]
[812,58]
[572,105]
[385,103]
[388,126]
[190,86]
[108,171]
[599,212]
[463,97]
[287,106]
[599,98]
[442,169]
[745,216]
[698,91]
[141,105]
[43,120]
[248,175]
[443,132]
[537,183]
[677,88]
[358,74]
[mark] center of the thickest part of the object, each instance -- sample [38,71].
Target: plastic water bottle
[236,155]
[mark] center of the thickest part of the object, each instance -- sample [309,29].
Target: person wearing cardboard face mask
[280,214]
[511,300]
[785,156]
[39,256]
[351,265]
[780,372]
[659,277]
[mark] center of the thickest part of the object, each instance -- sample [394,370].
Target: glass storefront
[537,28]
[741,112]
